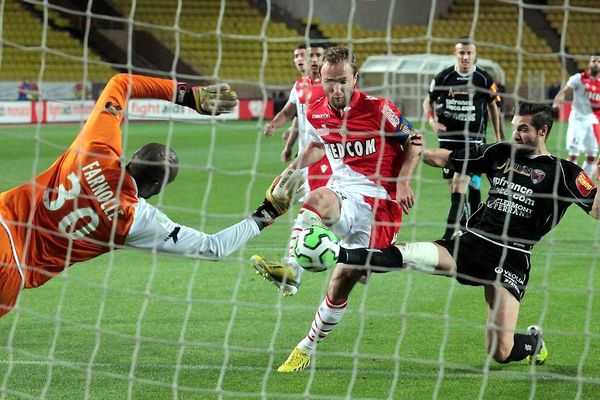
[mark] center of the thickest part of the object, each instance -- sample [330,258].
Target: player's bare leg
[503,344]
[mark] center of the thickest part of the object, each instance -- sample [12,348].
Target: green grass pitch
[143,326]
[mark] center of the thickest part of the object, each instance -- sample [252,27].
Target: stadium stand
[493,43]
[244,46]
[24,49]
[582,24]
[232,50]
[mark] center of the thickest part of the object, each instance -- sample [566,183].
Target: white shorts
[581,137]
[366,221]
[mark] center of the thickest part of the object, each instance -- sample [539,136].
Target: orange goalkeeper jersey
[82,206]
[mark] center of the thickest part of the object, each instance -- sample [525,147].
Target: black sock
[525,345]
[377,259]
[474,199]
[455,213]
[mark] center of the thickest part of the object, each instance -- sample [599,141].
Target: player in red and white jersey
[583,132]
[305,90]
[88,203]
[368,144]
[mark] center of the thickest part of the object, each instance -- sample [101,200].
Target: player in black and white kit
[530,193]
[460,100]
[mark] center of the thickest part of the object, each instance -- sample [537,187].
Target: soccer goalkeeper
[88,202]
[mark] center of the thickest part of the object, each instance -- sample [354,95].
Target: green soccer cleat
[541,354]
[279,273]
[297,361]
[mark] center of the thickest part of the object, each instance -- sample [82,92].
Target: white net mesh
[143,325]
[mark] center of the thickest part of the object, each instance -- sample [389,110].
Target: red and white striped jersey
[363,142]
[304,91]
[586,97]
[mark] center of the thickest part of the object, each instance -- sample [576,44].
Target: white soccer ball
[316,249]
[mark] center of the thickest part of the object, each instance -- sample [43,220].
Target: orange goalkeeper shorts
[11,279]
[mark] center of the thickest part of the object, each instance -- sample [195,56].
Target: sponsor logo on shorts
[513,280]
[584,183]
[513,277]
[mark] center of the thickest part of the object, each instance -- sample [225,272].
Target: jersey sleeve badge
[584,184]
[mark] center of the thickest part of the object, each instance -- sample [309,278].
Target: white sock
[305,219]
[588,167]
[327,317]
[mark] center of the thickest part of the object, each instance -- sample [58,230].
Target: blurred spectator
[34,92]
[279,102]
[553,90]
[28,90]
[82,91]
[24,88]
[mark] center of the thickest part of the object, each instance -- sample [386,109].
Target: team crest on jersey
[322,131]
[537,175]
[584,183]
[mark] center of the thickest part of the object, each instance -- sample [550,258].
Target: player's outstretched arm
[437,157]
[288,111]
[566,93]
[153,230]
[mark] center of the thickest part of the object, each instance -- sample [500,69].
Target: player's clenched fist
[269,129]
[212,99]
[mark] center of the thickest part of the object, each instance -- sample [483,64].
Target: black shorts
[480,262]
[458,145]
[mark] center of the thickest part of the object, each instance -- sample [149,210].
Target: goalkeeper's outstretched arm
[153,230]
[287,112]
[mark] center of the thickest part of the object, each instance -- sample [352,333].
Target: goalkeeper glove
[212,100]
[265,214]
[279,196]
[284,188]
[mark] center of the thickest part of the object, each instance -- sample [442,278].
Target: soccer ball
[316,249]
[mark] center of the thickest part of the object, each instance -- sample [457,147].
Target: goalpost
[145,325]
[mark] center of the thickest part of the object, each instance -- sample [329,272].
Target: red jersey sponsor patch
[584,183]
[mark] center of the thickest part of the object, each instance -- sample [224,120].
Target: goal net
[132,324]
